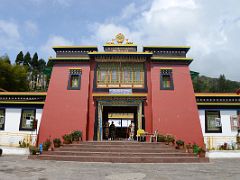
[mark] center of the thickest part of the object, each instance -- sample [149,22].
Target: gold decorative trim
[70,47]
[24,93]
[119,45]
[169,58]
[119,95]
[123,53]
[217,95]
[75,68]
[15,102]
[162,68]
[162,47]
[69,58]
[223,104]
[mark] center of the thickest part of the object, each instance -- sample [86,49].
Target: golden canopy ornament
[119,38]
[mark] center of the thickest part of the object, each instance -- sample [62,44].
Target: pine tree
[19,58]
[222,84]
[27,60]
[34,61]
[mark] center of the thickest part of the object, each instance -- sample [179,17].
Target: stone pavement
[19,167]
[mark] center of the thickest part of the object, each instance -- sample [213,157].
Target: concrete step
[118,146]
[121,154]
[118,143]
[118,159]
[146,150]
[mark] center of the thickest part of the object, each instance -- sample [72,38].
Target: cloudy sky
[210,27]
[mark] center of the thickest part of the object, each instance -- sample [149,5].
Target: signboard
[121,115]
[120,91]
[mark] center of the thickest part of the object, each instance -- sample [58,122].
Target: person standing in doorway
[106,130]
[131,132]
[112,130]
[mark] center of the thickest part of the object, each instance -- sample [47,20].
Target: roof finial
[120,38]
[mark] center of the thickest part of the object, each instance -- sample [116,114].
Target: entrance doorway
[122,117]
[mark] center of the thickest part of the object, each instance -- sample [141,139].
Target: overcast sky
[210,27]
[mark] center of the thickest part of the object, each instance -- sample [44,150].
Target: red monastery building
[151,88]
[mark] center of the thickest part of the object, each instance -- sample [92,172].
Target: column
[140,115]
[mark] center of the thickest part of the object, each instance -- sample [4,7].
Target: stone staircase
[120,152]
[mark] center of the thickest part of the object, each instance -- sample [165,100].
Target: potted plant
[46,145]
[224,146]
[33,150]
[76,135]
[67,138]
[195,149]
[201,152]
[180,143]
[238,137]
[57,142]
[160,138]
[169,139]
[189,148]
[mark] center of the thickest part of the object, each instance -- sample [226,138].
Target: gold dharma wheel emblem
[120,38]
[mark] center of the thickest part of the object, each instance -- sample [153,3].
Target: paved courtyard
[19,167]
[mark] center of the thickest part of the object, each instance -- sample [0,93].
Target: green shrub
[67,138]
[76,135]
[195,148]
[180,142]
[33,150]
[23,144]
[46,145]
[57,142]
[169,139]
[160,138]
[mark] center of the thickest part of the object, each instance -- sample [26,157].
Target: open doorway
[122,117]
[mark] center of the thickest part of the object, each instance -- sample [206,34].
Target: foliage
[224,146]
[180,142]
[169,139]
[47,144]
[160,138]
[35,70]
[195,148]
[67,138]
[12,77]
[57,142]
[201,151]
[76,135]
[23,144]
[33,150]
[19,59]
[221,84]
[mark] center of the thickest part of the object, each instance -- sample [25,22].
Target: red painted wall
[148,102]
[91,104]
[65,110]
[175,111]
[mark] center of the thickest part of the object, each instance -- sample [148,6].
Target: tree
[41,65]
[19,59]
[34,61]
[27,60]
[12,77]
[214,85]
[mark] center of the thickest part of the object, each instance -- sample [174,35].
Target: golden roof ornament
[120,38]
